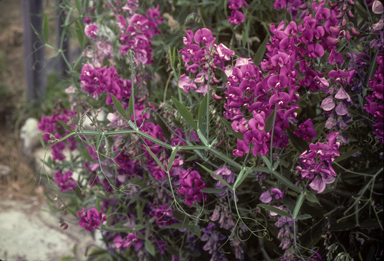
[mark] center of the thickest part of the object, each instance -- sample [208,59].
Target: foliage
[207,143]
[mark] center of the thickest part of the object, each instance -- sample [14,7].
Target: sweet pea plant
[267,153]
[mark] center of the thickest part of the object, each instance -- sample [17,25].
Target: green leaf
[299,202]
[216,176]
[74,249]
[345,226]
[37,33]
[150,248]
[212,190]
[303,217]
[195,229]
[46,28]
[131,106]
[184,113]
[275,210]
[241,177]
[65,126]
[172,157]
[119,107]
[97,252]
[312,198]
[269,121]
[109,214]
[238,135]
[346,155]
[261,51]
[319,129]
[370,224]
[244,38]
[300,144]
[67,258]
[70,210]
[78,7]
[267,162]
[80,34]
[41,140]
[155,157]
[192,158]
[78,193]
[202,112]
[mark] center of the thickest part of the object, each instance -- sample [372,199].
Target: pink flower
[236,17]
[90,219]
[91,31]
[186,83]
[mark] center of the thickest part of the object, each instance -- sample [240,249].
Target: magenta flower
[91,31]
[65,181]
[204,35]
[377,7]
[328,104]
[236,17]
[90,219]
[224,52]
[186,83]
[315,50]
[266,197]
[242,148]
[306,130]
[191,184]
[119,242]
[235,4]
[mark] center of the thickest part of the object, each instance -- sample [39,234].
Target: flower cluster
[90,219]
[191,184]
[375,104]
[236,16]
[316,163]
[205,60]
[306,131]
[137,31]
[65,181]
[96,81]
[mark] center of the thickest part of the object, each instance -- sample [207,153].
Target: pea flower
[90,219]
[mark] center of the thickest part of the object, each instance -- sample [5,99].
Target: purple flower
[191,184]
[226,174]
[377,7]
[224,52]
[65,181]
[90,219]
[186,83]
[236,17]
[91,31]
[242,148]
[204,35]
[266,197]
[328,104]
[119,242]
[235,4]
[306,130]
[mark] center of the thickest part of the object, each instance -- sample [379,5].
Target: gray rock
[29,138]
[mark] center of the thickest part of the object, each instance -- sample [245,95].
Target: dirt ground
[21,182]
[27,231]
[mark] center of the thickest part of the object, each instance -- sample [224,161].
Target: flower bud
[340,15]
[351,2]
[350,15]
[303,7]
[344,22]
[335,29]
[344,7]
[347,36]
[354,32]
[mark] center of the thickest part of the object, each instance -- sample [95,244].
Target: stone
[29,137]
[5,171]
